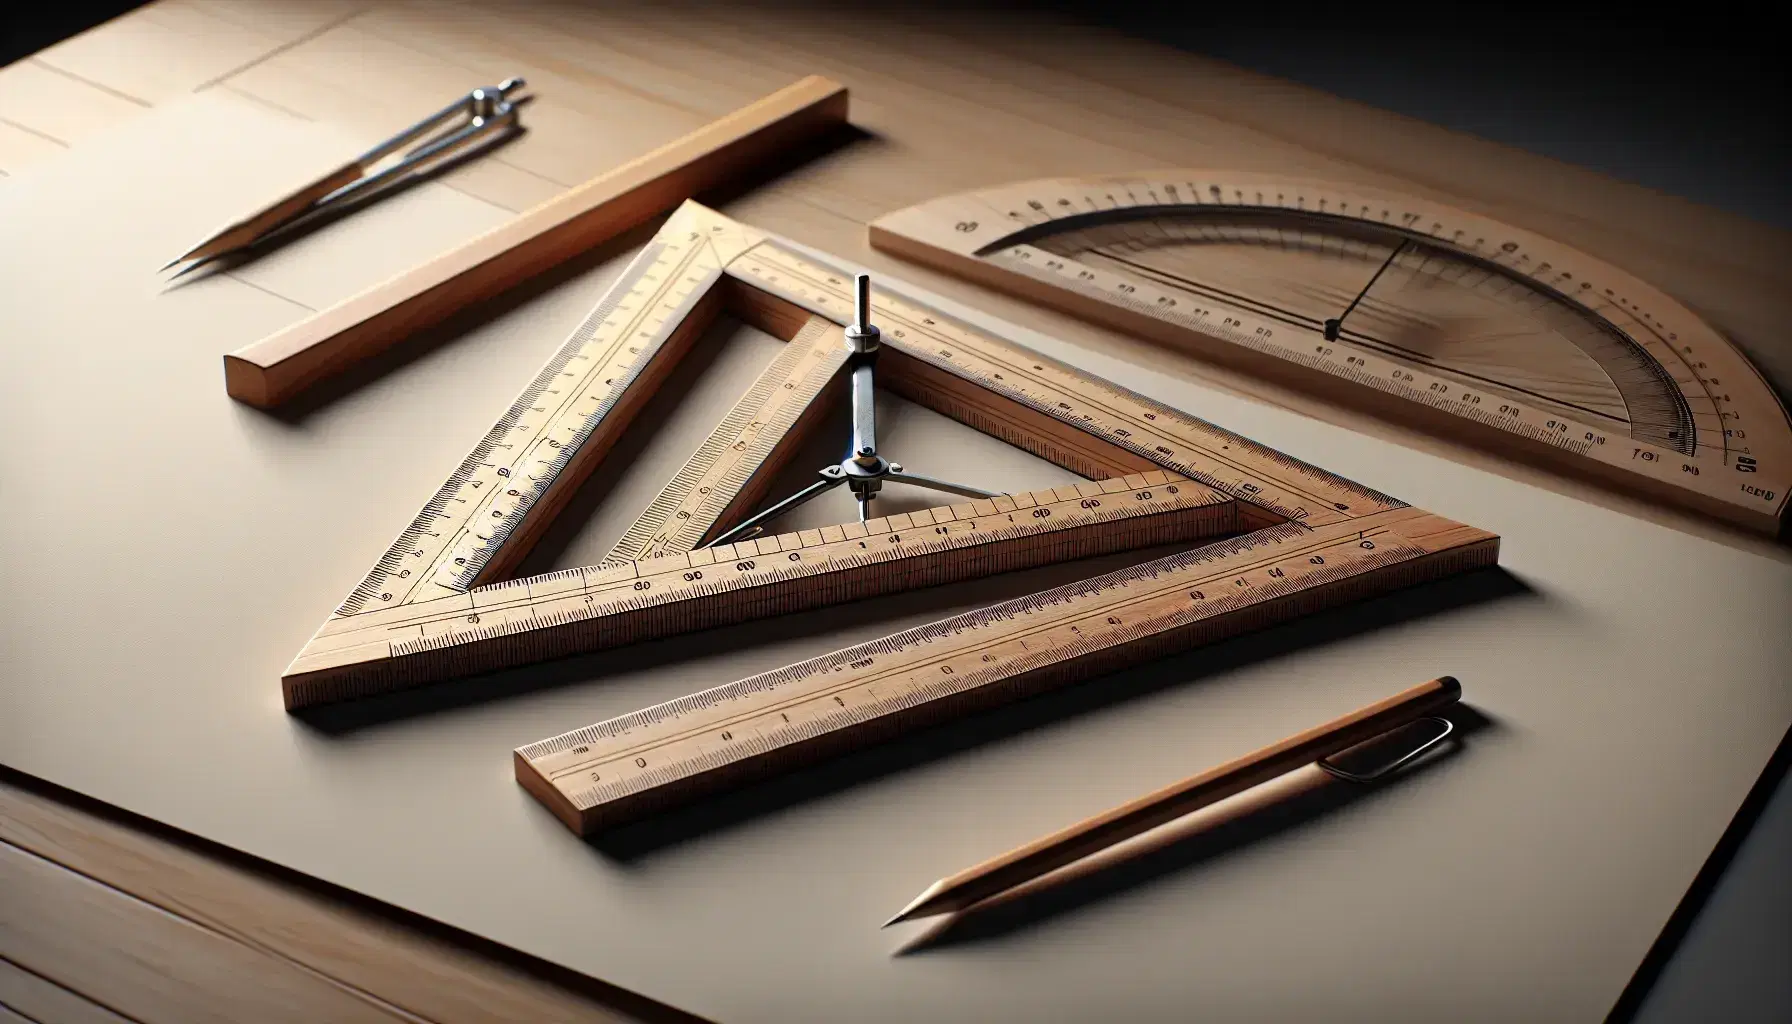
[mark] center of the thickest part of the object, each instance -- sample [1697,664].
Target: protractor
[1410,309]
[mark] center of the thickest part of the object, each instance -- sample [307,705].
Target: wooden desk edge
[291,914]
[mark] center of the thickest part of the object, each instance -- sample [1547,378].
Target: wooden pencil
[975,884]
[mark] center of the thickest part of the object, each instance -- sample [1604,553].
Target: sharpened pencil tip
[920,906]
[188,269]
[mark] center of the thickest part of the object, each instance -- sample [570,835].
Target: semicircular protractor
[1411,309]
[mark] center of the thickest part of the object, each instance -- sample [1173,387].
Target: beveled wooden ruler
[616,770]
[1408,308]
[438,605]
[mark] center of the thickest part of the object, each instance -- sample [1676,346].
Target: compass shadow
[718,813]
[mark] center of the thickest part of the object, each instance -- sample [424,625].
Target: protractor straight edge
[1419,312]
[618,770]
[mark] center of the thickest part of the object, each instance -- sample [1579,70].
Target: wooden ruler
[578,610]
[279,367]
[438,605]
[726,478]
[616,770]
[1408,308]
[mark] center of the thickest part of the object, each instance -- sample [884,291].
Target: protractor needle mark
[1335,326]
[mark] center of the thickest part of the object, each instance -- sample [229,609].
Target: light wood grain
[614,771]
[58,106]
[577,129]
[44,1001]
[974,102]
[1171,108]
[274,370]
[20,148]
[959,69]
[147,963]
[160,51]
[103,894]
[283,19]
[1110,90]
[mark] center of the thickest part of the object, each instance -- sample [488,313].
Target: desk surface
[1525,877]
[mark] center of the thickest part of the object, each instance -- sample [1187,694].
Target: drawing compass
[863,470]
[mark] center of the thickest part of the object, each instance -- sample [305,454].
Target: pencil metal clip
[459,131]
[1369,751]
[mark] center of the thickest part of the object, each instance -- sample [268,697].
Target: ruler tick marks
[1276,537]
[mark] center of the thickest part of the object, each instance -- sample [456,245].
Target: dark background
[24,31]
[1691,103]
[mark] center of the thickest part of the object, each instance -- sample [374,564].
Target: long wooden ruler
[275,369]
[616,770]
[578,610]
[439,605]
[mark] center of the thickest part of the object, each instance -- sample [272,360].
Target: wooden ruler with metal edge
[438,605]
[1410,309]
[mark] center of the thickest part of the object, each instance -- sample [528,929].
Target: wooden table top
[616,80]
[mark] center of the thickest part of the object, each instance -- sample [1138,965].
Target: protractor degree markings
[1354,336]
[1192,287]
[1261,307]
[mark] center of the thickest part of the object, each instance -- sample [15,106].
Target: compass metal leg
[802,497]
[864,469]
[864,409]
[862,338]
[918,480]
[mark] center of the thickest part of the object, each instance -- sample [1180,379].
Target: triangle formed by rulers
[1280,537]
